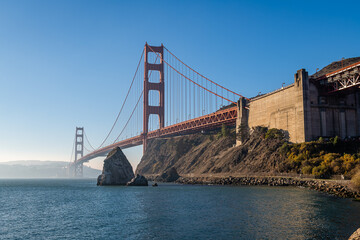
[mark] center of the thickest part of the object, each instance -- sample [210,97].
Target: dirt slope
[209,154]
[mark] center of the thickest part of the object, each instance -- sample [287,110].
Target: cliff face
[211,153]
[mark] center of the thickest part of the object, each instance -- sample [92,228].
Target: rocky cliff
[212,153]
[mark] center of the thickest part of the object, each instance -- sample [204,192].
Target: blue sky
[68,63]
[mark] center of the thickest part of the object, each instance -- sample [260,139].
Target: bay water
[78,209]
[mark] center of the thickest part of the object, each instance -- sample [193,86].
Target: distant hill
[40,169]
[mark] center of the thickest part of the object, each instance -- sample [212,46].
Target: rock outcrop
[138,181]
[169,175]
[355,235]
[117,170]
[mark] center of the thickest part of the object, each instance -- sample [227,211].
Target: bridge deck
[206,122]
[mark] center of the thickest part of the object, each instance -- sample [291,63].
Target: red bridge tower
[156,86]
[79,151]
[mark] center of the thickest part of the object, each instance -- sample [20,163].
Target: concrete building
[327,106]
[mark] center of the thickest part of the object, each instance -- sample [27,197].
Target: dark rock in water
[138,181]
[155,185]
[355,235]
[169,175]
[117,169]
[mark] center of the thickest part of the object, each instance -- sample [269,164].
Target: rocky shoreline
[328,186]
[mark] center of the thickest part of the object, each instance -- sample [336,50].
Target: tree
[224,130]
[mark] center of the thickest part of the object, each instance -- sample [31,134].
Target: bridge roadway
[206,122]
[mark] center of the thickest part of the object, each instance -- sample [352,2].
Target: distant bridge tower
[79,151]
[153,86]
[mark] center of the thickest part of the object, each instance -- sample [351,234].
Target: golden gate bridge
[167,97]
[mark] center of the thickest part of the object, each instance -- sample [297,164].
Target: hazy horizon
[40,169]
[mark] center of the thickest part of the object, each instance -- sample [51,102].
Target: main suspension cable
[134,107]
[73,149]
[190,79]
[88,141]
[129,117]
[117,118]
[203,75]
[87,149]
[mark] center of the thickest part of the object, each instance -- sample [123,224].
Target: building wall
[301,111]
[334,115]
[282,109]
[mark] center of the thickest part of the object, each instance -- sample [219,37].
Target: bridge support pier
[153,86]
[242,121]
[79,151]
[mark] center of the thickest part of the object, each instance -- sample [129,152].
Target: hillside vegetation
[323,158]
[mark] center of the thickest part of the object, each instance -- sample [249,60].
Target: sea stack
[117,170]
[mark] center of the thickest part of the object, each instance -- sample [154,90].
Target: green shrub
[336,141]
[306,170]
[285,148]
[315,161]
[321,171]
[224,130]
[317,171]
[260,130]
[274,133]
[323,158]
[330,157]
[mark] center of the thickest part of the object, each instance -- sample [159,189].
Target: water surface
[78,209]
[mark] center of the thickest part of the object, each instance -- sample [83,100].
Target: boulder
[169,175]
[139,180]
[355,235]
[117,170]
